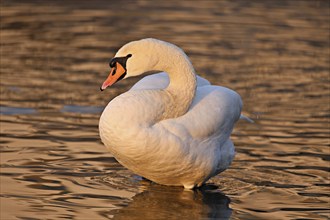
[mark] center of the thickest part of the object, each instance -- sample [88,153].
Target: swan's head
[136,58]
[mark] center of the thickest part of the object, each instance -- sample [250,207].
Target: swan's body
[172,129]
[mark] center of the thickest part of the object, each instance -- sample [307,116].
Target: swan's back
[161,81]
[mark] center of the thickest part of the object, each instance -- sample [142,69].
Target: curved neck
[182,87]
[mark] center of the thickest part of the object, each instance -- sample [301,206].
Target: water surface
[54,57]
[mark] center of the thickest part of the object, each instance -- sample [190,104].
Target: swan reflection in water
[161,202]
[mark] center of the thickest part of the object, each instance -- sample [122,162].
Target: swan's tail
[243,117]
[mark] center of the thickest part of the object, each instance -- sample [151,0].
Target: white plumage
[170,127]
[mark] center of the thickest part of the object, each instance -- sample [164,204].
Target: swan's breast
[126,119]
[132,107]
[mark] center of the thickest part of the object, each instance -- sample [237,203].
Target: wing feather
[213,113]
[161,81]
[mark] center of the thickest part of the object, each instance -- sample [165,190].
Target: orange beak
[116,73]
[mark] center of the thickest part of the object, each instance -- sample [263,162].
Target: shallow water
[54,57]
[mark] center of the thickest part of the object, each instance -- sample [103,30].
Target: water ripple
[55,55]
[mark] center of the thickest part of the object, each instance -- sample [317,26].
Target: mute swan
[172,128]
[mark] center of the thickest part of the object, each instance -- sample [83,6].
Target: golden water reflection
[54,57]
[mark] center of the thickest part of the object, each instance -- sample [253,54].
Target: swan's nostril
[113,72]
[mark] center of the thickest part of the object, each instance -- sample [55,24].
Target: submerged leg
[189,186]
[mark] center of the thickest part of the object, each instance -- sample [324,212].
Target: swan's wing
[154,81]
[212,115]
[202,82]
[161,81]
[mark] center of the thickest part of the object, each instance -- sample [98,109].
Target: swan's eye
[121,60]
[112,63]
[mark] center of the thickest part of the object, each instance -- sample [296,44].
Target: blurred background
[54,57]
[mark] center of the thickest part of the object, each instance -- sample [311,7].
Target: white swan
[172,129]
